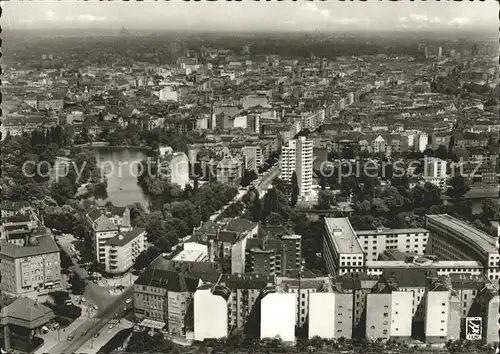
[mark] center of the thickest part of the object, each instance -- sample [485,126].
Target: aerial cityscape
[215,177]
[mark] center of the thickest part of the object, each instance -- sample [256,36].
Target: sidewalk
[92,346]
[51,338]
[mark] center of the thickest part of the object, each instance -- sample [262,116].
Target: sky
[249,15]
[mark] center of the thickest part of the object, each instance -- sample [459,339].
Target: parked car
[70,337]
[128,301]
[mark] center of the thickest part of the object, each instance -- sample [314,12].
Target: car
[128,301]
[70,337]
[111,326]
[95,307]
[85,332]
[96,335]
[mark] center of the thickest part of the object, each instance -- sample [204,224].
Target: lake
[121,167]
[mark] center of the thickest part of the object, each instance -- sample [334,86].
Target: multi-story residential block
[18,228]
[246,292]
[377,268]
[389,314]
[442,316]
[162,297]
[278,316]
[302,288]
[341,248]
[101,229]
[227,170]
[253,157]
[330,315]
[211,312]
[297,156]
[374,242]
[486,305]
[273,255]
[33,268]
[434,171]
[358,285]
[122,250]
[421,142]
[453,239]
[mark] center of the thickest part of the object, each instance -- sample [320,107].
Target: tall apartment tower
[297,156]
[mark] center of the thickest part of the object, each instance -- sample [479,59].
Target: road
[87,329]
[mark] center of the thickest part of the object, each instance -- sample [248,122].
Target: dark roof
[169,280]
[408,278]
[123,238]
[42,245]
[94,214]
[18,218]
[228,236]
[25,309]
[246,281]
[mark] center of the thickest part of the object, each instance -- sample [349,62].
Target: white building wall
[210,315]
[401,313]
[437,314]
[278,316]
[322,315]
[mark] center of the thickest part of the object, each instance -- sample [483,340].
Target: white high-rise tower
[297,156]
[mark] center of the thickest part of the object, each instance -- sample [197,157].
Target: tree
[295,189]
[248,178]
[77,284]
[441,152]
[490,210]
[326,199]
[458,187]
[451,145]
[145,258]
[63,190]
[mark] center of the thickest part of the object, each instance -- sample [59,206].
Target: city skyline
[251,16]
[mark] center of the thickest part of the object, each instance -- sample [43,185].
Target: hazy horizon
[251,16]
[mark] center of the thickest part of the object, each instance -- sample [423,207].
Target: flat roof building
[453,239]
[374,242]
[341,247]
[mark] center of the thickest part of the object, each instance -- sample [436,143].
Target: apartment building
[162,298]
[358,285]
[442,316]
[246,292]
[226,170]
[374,242]
[272,255]
[101,229]
[389,314]
[475,268]
[453,239]
[486,305]
[211,312]
[227,240]
[32,268]
[253,157]
[122,250]
[297,156]
[434,171]
[302,288]
[278,316]
[330,315]
[341,248]
[18,228]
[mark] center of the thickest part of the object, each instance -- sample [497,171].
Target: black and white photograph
[250,177]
